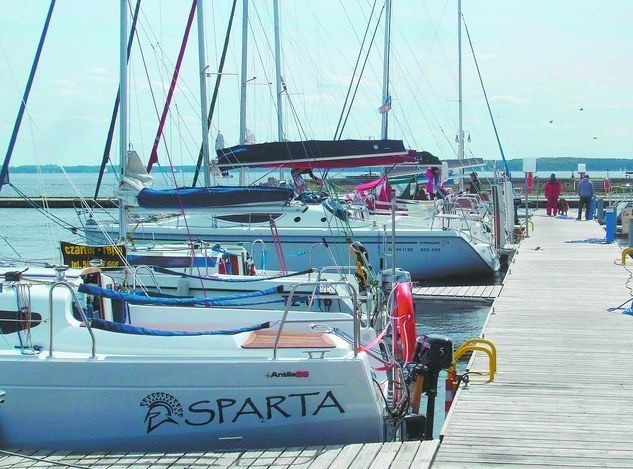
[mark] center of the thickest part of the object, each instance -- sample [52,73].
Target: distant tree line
[514,165]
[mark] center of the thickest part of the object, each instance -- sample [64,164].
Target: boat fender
[403,314]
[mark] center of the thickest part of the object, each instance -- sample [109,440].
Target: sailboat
[428,247]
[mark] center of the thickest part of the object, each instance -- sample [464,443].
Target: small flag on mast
[385,107]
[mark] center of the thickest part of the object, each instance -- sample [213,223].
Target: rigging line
[216,89]
[55,219]
[361,72]
[4,172]
[154,153]
[115,110]
[351,83]
[494,126]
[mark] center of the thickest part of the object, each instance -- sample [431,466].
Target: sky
[557,74]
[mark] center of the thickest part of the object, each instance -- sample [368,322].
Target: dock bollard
[600,210]
[591,208]
[609,218]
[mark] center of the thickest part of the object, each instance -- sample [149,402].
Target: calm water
[28,233]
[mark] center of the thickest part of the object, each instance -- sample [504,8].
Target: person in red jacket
[553,189]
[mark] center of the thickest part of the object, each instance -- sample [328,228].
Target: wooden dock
[358,456]
[562,395]
[468,292]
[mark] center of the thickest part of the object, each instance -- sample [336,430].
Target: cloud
[509,99]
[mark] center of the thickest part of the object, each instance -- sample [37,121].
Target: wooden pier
[562,395]
[563,391]
[467,292]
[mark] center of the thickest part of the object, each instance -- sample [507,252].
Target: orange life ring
[403,313]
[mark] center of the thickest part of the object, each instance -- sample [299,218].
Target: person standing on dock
[553,190]
[585,193]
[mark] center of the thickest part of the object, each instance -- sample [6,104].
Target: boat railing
[263,251]
[369,299]
[150,271]
[327,249]
[78,308]
[316,286]
[466,210]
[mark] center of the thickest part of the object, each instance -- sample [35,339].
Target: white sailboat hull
[142,404]
[424,248]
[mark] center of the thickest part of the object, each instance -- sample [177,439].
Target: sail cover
[214,196]
[316,154]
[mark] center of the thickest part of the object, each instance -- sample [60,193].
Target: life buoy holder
[403,314]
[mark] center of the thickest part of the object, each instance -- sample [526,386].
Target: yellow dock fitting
[626,252]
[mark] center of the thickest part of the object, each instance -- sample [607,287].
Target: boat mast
[115,109]
[460,135]
[385,73]
[4,173]
[244,80]
[203,93]
[281,87]
[123,114]
[243,72]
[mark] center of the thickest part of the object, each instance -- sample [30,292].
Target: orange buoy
[404,317]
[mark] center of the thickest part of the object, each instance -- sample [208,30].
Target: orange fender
[405,334]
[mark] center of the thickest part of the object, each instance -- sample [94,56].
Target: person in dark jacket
[474,186]
[585,193]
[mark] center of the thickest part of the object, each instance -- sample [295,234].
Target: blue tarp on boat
[129,329]
[314,154]
[172,301]
[215,196]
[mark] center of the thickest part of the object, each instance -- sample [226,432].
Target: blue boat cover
[129,329]
[132,298]
[312,154]
[214,196]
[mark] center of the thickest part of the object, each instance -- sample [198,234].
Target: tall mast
[385,72]
[460,135]
[4,172]
[203,93]
[280,85]
[243,72]
[123,113]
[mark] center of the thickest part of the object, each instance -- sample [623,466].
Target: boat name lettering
[165,408]
[288,374]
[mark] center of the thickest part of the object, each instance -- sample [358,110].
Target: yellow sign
[78,256]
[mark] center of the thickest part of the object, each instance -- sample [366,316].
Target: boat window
[250,217]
